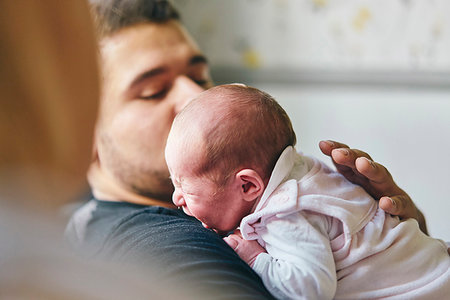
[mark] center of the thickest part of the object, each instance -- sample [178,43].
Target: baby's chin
[219,232]
[211,228]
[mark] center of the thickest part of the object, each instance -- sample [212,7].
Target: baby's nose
[177,198]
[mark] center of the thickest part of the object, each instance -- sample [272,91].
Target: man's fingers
[391,205]
[380,178]
[404,207]
[347,157]
[374,171]
[358,167]
[327,146]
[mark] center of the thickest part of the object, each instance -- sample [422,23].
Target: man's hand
[358,167]
[247,250]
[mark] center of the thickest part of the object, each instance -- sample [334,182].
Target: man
[150,69]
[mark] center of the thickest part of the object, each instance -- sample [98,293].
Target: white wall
[408,130]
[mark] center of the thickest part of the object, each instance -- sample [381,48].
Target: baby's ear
[251,184]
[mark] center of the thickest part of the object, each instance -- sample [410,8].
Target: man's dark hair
[113,15]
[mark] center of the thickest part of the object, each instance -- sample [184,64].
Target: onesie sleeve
[299,262]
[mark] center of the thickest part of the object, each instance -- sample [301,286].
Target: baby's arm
[299,263]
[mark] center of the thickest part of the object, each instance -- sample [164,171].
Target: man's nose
[186,90]
[177,198]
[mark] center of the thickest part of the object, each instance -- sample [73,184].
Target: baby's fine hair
[247,128]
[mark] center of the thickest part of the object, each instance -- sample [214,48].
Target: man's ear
[251,184]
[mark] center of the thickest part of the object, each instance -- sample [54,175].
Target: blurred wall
[373,74]
[388,35]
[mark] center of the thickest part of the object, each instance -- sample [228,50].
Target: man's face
[150,72]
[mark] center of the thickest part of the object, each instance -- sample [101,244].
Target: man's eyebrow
[198,59]
[147,74]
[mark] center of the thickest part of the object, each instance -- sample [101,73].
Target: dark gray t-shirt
[167,240]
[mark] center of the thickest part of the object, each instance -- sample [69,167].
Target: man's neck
[104,187]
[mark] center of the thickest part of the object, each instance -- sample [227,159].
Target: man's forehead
[142,48]
[133,43]
[149,37]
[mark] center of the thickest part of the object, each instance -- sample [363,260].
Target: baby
[306,230]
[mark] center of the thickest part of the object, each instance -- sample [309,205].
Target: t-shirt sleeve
[184,252]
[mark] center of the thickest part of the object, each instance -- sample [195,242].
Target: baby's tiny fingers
[232,242]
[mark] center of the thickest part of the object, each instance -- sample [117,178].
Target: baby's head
[221,151]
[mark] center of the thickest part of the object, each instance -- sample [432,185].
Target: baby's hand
[247,250]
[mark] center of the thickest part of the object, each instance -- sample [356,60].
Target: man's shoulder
[178,246]
[122,232]
[98,224]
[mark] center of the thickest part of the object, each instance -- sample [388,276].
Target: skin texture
[219,195]
[218,208]
[150,71]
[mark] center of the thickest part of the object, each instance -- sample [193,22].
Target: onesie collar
[281,170]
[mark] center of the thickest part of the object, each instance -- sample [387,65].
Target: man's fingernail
[372,164]
[344,152]
[329,143]
[392,201]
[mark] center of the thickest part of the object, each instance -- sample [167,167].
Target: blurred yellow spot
[251,59]
[437,28]
[320,3]
[207,26]
[362,17]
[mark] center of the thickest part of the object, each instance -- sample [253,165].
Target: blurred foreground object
[49,91]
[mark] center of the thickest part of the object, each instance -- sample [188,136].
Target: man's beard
[138,177]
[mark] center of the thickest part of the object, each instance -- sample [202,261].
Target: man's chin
[161,189]
[222,233]
[158,196]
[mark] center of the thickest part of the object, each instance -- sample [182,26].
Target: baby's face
[219,209]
